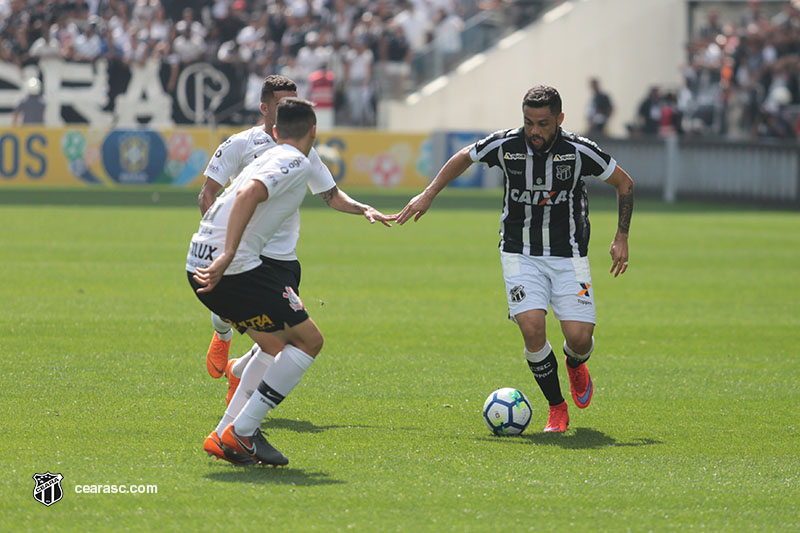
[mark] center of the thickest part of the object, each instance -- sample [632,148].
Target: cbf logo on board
[48,488]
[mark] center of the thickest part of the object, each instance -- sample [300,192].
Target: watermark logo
[48,488]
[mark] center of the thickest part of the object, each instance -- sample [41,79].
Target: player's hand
[417,207]
[209,277]
[619,256]
[372,214]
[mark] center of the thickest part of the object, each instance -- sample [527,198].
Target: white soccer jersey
[285,172]
[241,149]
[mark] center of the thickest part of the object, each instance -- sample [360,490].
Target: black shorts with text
[266,298]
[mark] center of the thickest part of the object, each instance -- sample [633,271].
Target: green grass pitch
[694,422]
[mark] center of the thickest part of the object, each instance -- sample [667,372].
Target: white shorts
[534,282]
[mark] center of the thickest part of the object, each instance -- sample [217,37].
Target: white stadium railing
[681,169]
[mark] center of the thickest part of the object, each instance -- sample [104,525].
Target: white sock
[251,377]
[538,357]
[281,377]
[575,355]
[238,367]
[223,329]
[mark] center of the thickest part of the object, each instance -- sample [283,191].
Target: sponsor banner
[83,156]
[378,159]
[475,174]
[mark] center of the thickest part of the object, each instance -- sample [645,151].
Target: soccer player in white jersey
[231,157]
[256,294]
[544,236]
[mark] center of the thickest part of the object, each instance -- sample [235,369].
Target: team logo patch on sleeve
[517,294]
[294,300]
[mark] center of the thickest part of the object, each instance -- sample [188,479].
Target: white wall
[628,44]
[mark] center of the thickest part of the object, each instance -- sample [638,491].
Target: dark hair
[295,118]
[542,96]
[275,82]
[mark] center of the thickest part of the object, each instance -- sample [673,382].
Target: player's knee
[312,342]
[534,335]
[580,341]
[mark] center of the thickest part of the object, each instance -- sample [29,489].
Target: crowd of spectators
[365,46]
[741,80]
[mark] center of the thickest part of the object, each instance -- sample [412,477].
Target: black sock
[546,374]
[575,363]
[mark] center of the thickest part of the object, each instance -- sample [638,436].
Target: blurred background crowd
[741,78]
[349,51]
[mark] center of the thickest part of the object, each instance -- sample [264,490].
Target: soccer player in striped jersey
[230,158]
[544,236]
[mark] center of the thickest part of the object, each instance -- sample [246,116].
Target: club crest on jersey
[48,488]
[563,172]
[517,294]
[294,300]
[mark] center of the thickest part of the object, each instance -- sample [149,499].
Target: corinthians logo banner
[48,488]
[107,94]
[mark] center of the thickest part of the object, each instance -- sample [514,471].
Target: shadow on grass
[298,426]
[579,439]
[304,426]
[260,475]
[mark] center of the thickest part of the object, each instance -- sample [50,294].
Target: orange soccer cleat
[558,420]
[217,356]
[255,447]
[213,447]
[233,381]
[580,385]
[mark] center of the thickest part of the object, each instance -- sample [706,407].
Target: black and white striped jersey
[545,207]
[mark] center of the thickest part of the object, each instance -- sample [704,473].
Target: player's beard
[546,143]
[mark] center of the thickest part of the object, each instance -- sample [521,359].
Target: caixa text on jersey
[525,196]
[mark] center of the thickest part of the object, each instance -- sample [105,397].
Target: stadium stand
[741,78]
[372,48]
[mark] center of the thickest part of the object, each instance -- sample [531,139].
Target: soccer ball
[507,412]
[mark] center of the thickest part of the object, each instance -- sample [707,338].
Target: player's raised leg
[303,343]
[251,378]
[217,356]
[578,346]
[235,369]
[543,365]
[258,362]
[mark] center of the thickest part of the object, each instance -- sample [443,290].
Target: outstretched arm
[339,200]
[242,211]
[208,194]
[621,181]
[420,204]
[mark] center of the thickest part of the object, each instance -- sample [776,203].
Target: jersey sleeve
[486,150]
[226,161]
[321,179]
[594,162]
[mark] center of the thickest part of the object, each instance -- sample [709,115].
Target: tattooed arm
[621,181]
[339,200]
